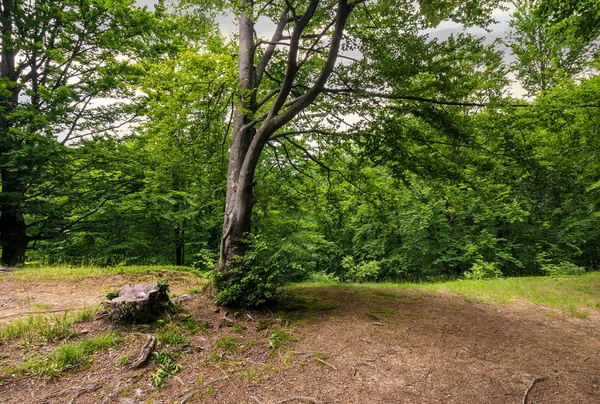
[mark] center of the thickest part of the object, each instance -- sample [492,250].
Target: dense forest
[341,139]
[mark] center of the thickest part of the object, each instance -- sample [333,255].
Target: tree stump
[141,303]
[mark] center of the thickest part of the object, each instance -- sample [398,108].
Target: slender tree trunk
[239,197]
[13,231]
[179,245]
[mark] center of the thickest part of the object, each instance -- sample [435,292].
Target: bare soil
[339,344]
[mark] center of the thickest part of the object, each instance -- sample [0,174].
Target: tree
[553,41]
[281,78]
[59,60]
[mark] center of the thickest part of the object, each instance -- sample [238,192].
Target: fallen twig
[309,399]
[145,352]
[250,317]
[187,395]
[533,383]
[324,363]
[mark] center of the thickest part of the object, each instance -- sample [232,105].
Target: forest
[333,140]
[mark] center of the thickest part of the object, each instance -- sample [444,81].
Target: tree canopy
[341,139]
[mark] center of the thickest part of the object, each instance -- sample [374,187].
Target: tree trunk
[179,245]
[249,137]
[13,231]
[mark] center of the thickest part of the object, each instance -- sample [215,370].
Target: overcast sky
[441,32]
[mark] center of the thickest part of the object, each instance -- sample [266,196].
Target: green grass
[63,357]
[41,329]
[80,272]
[573,294]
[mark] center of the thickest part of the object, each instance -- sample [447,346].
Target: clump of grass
[171,335]
[229,343]
[41,329]
[278,337]
[63,357]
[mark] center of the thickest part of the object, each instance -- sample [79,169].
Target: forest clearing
[329,343]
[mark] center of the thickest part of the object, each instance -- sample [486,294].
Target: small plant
[167,367]
[171,335]
[122,360]
[113,294]
[163,286]
[483,270]
[238,328]
[229,343]
[262,325]
[277,338]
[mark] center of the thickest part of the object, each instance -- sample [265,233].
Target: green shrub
[252,281]
[365,271]
[483,270]
[562,269]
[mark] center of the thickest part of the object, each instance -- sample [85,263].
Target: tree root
[187,395]
[533,383]
[307,399]
[122,386]
[144,353]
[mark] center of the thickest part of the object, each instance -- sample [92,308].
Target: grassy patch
[63,357]
[80,272]
[41,329]
[573,294]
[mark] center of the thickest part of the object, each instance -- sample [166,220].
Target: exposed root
[145,352]
[84,390]
[78,390]
[187,395]
[322,362]
[533,383]
[307,399]
[120,387]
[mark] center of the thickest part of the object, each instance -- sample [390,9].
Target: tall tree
[59,60]
[281,78]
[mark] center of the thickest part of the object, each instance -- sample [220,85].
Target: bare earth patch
[336,344]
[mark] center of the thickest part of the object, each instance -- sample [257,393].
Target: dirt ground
[339,344]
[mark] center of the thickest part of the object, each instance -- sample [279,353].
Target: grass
[573,294]
[80,272]
[63,357]
[41,329]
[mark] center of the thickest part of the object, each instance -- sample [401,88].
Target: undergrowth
[63,357]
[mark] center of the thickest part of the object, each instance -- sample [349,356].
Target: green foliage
[167,367]
[277,339]
[366,271]
[253,280]
[483,270]
[170,334]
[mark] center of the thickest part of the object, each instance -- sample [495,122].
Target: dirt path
[362,345]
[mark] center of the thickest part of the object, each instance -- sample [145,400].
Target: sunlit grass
[79,272]
[41,329]
[573,294]
[63,357]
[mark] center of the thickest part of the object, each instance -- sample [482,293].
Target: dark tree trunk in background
[179,245]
